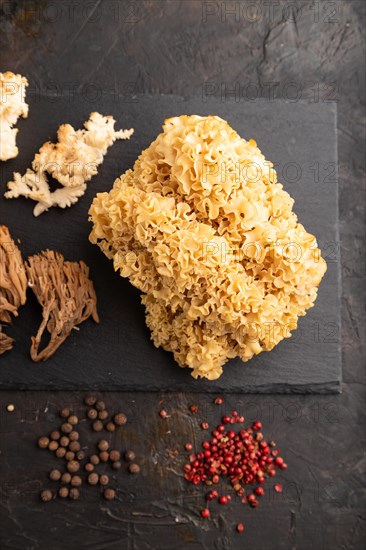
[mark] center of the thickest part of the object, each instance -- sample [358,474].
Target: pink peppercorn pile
[243,456]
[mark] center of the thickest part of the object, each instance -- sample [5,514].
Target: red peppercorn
[240,527]
[204,426]
[205,513]
[188,446]
[257,425]
[278,488]
[163,414]
[226,419]
[193,408]
[259,491]
[212,495]
[223,500]
[218,401]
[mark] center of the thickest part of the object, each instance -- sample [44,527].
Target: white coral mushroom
[12,106]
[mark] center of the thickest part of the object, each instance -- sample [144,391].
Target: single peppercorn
[63,492]
[103,415]
[223,500]
[74,446]
[69,455]
[93,479]
[100,405]
[104,479]
[66,477]
[114,455]
[120,419]
[188,446]
[117,465]
[204,425]
[240,527]
[134,468]
[72,466]
[205,513]
[64,441]
[193,408]
[53,445]
[94,459]
[218,401]
[74,493]
[103,445]
[90,400]
[73,420]
[89,467]
[278,488]
[46,495]
[55,435]
[97,426]
[109,494]
[104,456]
[74,436]
[130,456]
[65,412]
[92,414]
[55,475]
[43,442]
[66,428]
[80,455]
[60,452]
[163,413]
[76,481]
[110,426]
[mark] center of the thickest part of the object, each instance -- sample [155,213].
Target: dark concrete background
[270,49]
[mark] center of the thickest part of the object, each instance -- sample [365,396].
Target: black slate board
[299,138]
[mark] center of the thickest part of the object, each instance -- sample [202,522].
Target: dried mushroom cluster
[13,284]
[72,161]
[66,295]
[203,229]
[63,289]
[12,106]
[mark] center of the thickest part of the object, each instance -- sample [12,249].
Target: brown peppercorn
[66,477]
[76,481]
[104,479]
[94,459]
[117,465]
[100,405]
[90,400]
[103,415]
[55,435]
[43,442]
[74,436]
[110,426]
[63,492]
[74,446]
[65,412]
[74,493]
[93,479]
[69,455]
[73,466]
[89,467]
[60,452]
[80,455]
[109,494]
[55,475]
[92,414]
[64,441]
[104,456]
[134,468]
[120,419]
[97,426]
[130,456]
[114,455]
[46,495]
[53,445]
[103,445]
[66,428]
[73,420]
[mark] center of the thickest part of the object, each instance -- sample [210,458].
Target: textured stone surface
[117,353]
[177,47]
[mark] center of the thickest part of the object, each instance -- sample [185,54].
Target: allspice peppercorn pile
[64,442]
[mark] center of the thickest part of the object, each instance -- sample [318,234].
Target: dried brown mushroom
[13,284]
[66,295]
